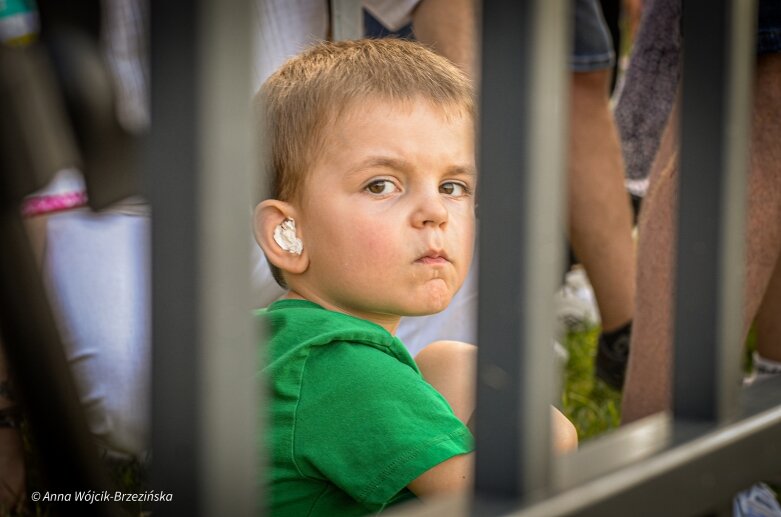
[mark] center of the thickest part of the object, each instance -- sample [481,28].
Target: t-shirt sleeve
[370,424]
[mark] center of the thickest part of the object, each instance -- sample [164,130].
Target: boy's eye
[454,189]
[381,187]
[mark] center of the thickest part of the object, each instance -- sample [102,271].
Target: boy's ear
[278,238]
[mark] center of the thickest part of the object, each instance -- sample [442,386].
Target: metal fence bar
[717,70]
[200,161]
[521,132]
[697,476]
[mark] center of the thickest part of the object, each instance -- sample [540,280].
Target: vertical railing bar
[708,313]
[172,171]
[229,355]
[743,20]
[521,163]
[199,165]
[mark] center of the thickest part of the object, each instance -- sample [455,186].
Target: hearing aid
[285,237]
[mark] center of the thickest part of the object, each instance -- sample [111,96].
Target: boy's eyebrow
[405,166]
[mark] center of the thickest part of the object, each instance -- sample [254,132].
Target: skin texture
[600,215]
[389,198]
[448,26]
[648,385]
[386,214]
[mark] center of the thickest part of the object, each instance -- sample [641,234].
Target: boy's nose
[430,210]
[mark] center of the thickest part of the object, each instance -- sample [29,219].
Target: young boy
[371,218]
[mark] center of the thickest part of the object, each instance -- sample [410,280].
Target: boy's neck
[389,322]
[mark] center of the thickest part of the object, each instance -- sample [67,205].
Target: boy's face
[387,211]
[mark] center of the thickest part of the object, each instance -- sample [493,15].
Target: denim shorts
[769,27]
[592,48]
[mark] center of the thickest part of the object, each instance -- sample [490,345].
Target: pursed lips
[433,257]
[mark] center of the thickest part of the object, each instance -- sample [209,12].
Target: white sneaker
[757,501]
[575,304]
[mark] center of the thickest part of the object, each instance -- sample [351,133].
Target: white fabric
[96,266]
[393,14]
[286,27]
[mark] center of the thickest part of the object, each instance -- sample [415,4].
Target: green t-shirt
[352,420]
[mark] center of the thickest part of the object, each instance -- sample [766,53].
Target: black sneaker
[613,355]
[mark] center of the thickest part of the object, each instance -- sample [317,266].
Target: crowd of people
[364,266]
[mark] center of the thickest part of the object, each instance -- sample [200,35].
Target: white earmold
[285,236]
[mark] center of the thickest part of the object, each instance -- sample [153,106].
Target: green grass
[591,405]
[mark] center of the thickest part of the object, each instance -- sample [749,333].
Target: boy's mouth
[433,257]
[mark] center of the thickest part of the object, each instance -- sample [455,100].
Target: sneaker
[613,356]
[757,501]
[763,369]
[575,304]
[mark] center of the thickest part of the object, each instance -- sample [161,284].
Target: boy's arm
[450,476]
[456,474]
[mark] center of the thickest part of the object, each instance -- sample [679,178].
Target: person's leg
[768,322]
[97,269]
[449,27]
[600,213]
[600,216]
[648,387]
[451,366]
[763,247]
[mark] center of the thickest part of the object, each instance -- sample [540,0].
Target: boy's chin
[430,307]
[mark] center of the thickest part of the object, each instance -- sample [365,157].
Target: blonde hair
[313,89]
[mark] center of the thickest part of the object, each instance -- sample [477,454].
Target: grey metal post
[717,70]
[204,353]
[522,119]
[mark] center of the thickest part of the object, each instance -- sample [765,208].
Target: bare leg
[768,322]
[449,27]
[600,217]
[450,367]
[648,386]
[763,273]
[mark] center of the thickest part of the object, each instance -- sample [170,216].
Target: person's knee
[565,436]
[446,356]
[449,366]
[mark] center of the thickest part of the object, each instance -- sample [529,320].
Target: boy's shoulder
[303,325]
[308,318]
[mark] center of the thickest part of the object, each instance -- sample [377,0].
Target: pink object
[39,205]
